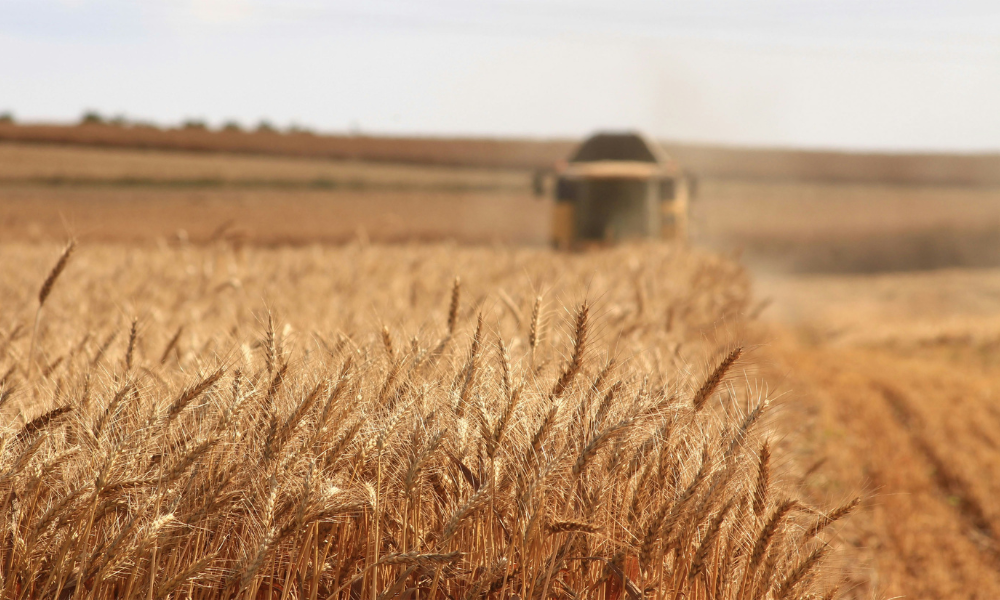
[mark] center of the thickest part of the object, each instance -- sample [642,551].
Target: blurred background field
[802,212]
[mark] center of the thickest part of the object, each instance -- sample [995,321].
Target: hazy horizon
[890,76]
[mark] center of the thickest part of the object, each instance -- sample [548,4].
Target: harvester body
[619,186]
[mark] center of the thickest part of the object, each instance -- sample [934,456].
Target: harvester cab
[618,186]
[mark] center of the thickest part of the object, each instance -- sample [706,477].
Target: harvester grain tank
[619,186]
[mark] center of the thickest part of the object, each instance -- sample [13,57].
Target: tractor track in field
[887,427]
[951,485]
[894,389]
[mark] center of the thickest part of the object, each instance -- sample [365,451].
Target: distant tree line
[93,117]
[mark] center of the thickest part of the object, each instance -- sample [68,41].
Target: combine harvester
[619,186]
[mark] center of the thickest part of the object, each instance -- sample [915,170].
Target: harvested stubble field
[895,380]
[118,194]
[356,422]
[128,195]
[704,161]
[851,227]
[69,166]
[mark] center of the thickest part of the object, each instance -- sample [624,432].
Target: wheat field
[369,421]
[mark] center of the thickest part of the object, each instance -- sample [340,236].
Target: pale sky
[890,75]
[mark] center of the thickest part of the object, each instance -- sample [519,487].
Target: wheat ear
[824,521]
[43,295]
[535,333]
[763,479]
[784,589]
[767,534]
[133,332]
[456,293]
[715,378]
[579,348]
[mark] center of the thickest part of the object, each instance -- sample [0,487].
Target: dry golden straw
[313,456]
